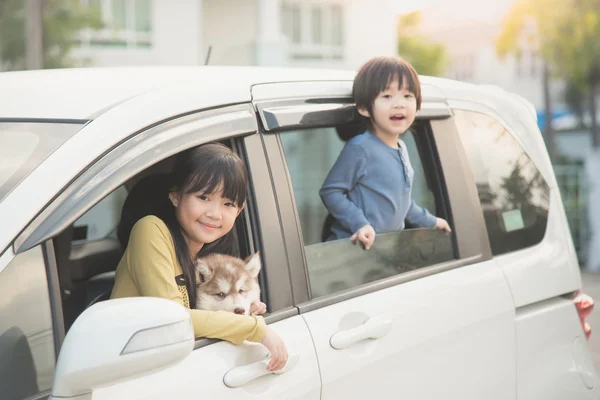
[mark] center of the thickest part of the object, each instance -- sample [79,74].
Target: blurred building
[468,30]
[299,33]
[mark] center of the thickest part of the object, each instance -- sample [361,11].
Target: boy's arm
[419,216]
[348,169]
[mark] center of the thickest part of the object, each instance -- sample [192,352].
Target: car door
[214,369]
[422,314]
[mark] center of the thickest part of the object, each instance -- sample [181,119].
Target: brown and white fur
[227,283]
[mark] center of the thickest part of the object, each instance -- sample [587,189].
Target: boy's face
[394,110]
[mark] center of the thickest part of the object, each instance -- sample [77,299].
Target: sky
[404,6]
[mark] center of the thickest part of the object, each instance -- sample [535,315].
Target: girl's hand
[258,308]
[442,224]
[365,235]
[279,353]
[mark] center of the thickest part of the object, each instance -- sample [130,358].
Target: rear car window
[24,145]
[513,194]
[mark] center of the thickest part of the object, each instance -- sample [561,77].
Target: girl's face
[204,217]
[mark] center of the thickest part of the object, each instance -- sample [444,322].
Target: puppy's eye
[241,291]
[220,295]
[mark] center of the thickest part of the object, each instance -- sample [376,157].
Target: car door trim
[467,216]
[269,319]
[294,242]
[56,306]
[278,115]
[395,280]
[6,258]
[268,227]
[129,158]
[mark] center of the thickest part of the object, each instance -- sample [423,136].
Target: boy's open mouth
[397,118]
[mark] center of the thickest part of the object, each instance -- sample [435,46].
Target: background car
[492,310]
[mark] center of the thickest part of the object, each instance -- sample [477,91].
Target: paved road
[591,286]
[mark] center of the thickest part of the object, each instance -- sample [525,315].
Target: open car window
[338,265]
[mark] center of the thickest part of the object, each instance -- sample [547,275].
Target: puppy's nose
[240,311]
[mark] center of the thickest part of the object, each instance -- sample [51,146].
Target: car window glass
[26,336]
[421,193]
[24,145]
[513,194]
[339,265]
[101,221]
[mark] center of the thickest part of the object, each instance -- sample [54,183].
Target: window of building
[514,196]
[315,31]
[128,23]
[338,265]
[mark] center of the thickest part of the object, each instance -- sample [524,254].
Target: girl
[207,193]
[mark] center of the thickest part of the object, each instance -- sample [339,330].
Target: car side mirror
[119,339]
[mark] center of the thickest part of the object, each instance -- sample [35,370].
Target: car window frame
[468,221]
[467,106]
[55,302]
[237,123]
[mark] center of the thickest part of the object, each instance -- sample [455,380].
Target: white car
[491,311]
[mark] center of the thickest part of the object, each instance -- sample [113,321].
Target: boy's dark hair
[375,76]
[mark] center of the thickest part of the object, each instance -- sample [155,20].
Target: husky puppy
[227,283]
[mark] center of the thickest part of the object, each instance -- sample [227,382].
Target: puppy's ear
[203,272]
[253,264]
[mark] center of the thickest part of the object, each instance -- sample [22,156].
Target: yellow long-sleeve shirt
[149,267]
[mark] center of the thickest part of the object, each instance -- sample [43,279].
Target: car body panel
[449,332]
[201,374]
[553,361]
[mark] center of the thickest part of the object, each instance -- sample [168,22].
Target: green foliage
[565,31]
[62,20]
[426,57]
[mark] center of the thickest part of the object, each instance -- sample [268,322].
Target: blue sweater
[371,183]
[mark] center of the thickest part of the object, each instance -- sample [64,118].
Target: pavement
[591,286]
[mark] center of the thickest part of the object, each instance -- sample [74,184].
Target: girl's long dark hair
[203,168]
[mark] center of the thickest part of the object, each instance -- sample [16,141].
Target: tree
[528,26]
[426,57]
[565,32]
[577,52]
[62,20]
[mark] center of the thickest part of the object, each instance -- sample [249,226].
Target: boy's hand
[258,308]
[442,224]
[365,235]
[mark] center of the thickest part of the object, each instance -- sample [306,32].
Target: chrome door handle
[240,376]
[374,328]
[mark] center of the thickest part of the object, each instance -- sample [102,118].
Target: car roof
[82,93]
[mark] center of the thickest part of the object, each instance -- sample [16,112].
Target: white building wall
[370,29]
[250,32]
[176,39]
[230,27]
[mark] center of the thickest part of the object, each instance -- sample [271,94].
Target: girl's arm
[348,169]
[150,259]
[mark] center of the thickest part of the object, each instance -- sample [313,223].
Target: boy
[368,189]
